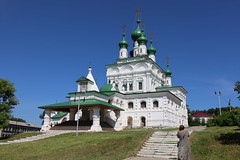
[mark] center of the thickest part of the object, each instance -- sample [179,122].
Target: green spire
[151,49]
[123,43]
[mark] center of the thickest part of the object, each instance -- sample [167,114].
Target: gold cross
[124,28]
[151,36]
[168,59]
[138,12]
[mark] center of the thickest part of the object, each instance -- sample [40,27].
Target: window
[130,87]
[143,104]
[110,101]
[124,87]
[140,86]
[130,105]
[155,104]
[83,86]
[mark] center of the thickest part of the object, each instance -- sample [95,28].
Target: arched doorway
[129,122]
[143,121]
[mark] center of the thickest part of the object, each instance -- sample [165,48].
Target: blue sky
[46,45]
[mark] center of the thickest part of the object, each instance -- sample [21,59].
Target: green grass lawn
[216,143]
[86,146]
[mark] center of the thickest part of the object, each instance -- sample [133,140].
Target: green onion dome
[142,39]
[151,49]
[168,72]
[137,33]
[123,43]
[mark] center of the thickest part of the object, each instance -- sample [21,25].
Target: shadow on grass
[229,138]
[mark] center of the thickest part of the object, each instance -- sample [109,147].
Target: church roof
[163,88]
[83,102]
[83,79]
[90,77]
[59,115]
[108,87]
[130,60]
[201,114]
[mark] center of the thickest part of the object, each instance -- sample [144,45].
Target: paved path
[161,145]
[50,133]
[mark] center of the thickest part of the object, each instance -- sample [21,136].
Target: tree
[237,88]
[226,119]
[7,101]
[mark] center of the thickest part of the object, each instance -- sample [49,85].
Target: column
[91,114]
[46,124]
[73,111]
[96,120]
[118,124]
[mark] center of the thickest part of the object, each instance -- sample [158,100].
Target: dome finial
[137,33]
[151,49]
[123,43]
[168,61]
[168,72]
[138,13]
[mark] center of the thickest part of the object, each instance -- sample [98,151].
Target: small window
[124,87]
[130,105]
[83,86]
[130,86]
[110,101]
[143,104]
[155,104]
[140,86]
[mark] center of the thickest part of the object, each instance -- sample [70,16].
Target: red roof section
[201,114]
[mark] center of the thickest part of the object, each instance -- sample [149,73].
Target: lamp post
[78,115]
[219,101]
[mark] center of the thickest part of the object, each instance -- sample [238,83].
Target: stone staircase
[37,137]
[160,145]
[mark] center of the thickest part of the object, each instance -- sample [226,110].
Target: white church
[138,93]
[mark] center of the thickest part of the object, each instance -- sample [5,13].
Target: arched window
[140,86]
[124,87]
[130,86]
[130,105]
[143,104]
[155,104]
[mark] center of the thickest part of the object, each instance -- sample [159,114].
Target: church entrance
[129,122]
[143,121]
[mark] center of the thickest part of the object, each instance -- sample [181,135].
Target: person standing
[184,150]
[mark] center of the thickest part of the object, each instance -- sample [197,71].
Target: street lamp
[219,101]
[78,115]
[77,112]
